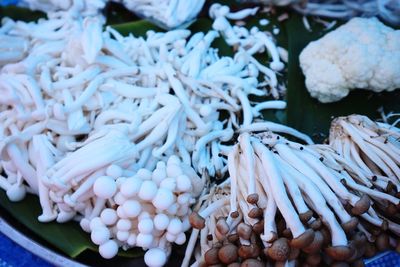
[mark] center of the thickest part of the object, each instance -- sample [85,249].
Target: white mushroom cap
[131,186]
[16,192]
[121,213]
[122,236]
[163,199]
[169,183]
[96,223]
[175,226]
[183,183]
[132,208]
[155,257]
[161,221]
[146,226]
[119,199]
[105,187]
[100,235]
[144,240]
[109,249]
[148,190]
[109,216]
[114,171]
[180,239]
[131,240]
[144,174]
[124,225]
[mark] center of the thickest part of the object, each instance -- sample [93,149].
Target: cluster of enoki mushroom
[286,203]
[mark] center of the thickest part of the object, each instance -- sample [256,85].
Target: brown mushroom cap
[391,209]
[287,233]
[339,253]
[196,221]
[313,259]
[382,242]
[303,240]
[252,198]
[221,237]
[211,256]
[228,253]
[279,250]
[222,226]
[234,264]
[358,263]
[361,205]
[252,263]
[294,253]
[350,225]
[327,235]
[233,238]
[246,252]
[316,224]
[244,230]
[255,213]
[258,227]
[370,250]
[340,264]
[316,244]
[234,214]
[306,216]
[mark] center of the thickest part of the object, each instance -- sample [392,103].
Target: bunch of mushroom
[168,14]
[80,103]
[290,202]
[388,10]
[78,7]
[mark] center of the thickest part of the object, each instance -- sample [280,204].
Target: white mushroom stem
[275,127]
[318,202]
[232,161]
[288,155]
[23,166]
[248,154]
[275,181]
[327,176]
[46,159]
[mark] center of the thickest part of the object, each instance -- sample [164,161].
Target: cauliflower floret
[363,54]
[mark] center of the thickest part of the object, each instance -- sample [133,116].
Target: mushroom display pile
[388,10]
[127,135]
[87,112]
[287,202]
[166,14]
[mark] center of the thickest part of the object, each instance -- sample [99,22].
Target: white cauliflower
[363,54]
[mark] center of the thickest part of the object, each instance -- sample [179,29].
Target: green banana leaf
[303,113]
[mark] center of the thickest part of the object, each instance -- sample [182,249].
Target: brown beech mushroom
[279,250]
[228,253]
[251,251]
[370,250]
[303,240]
[196,221]
[252,263]
[361,206]
[222,226]
[340,264]
[382,242]
[315,224]
[244,231]
[305,216]
[316,244]
[313,259]
[339,253]
[350,225]
[211,256]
